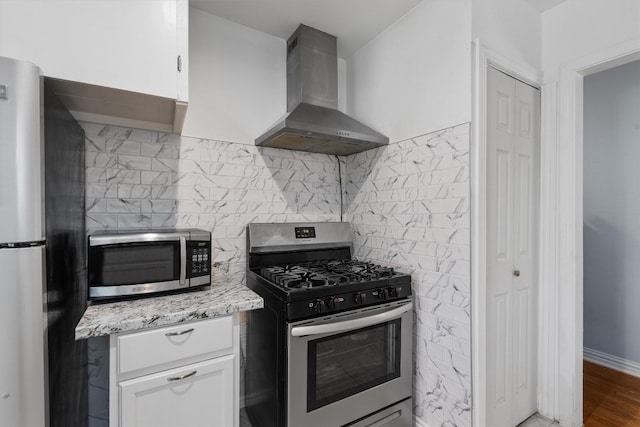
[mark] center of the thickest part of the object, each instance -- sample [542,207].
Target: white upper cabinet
[129,45]
[138,47]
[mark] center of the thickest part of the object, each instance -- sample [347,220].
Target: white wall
[512,28]
[576,31]
[611,207]
[415,77]
[237,80]
[577,28]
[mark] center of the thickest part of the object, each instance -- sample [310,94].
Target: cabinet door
[129,45]
[198,395]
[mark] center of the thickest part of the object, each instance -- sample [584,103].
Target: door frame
[560,326]
[566,110]
[483,58]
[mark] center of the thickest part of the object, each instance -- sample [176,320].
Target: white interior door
[513,122]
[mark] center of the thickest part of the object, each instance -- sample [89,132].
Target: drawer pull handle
[175,334]
[182,377]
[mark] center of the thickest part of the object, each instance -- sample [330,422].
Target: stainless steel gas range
[333,345]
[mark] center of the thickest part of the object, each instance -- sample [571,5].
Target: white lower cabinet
[185,375]
[197,395]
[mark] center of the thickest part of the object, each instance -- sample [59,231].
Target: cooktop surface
[328,273]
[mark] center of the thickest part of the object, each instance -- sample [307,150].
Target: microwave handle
[348,325]
[183,260]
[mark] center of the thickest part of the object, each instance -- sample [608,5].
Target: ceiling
[353,22]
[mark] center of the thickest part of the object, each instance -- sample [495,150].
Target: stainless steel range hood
[314,123]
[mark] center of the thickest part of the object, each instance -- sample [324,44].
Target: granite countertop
[222,298]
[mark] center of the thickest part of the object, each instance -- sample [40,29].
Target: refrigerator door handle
[21,245]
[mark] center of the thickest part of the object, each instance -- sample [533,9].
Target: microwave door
[123,269]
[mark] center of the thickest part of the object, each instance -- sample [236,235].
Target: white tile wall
[141,179]
[408,204]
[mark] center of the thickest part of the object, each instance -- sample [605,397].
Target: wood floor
[611,398]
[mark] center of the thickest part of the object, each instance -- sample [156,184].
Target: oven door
[349,365]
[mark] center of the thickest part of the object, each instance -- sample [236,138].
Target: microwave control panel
[199,257]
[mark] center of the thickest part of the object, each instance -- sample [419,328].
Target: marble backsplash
[142,179]
[408,205]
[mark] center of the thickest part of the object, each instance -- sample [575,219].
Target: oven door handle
[346,325]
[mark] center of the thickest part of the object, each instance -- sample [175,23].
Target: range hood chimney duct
[314,123]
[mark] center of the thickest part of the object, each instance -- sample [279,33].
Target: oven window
[134,263]
[342,365]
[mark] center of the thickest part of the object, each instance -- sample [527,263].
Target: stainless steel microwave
[129,263]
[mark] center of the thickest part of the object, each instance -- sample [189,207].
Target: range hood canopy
[314,123]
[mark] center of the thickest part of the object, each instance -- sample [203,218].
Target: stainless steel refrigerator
[43,370]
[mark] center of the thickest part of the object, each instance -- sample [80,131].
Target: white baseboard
[613,362]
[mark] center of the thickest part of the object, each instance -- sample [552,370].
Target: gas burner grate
[309,282]
[325,273]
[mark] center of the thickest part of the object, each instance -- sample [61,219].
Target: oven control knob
[383,294]
[334,303]
[359,298]
[393,292]
[319,306]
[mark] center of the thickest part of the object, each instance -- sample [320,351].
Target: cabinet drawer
[200,395]
[186,342]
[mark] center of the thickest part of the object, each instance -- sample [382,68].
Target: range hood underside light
[318,144]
